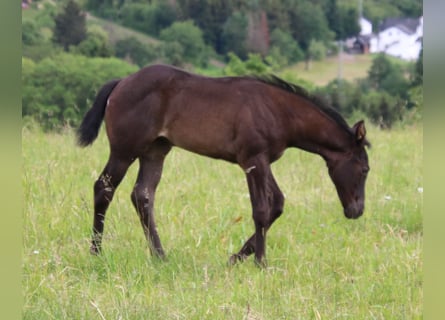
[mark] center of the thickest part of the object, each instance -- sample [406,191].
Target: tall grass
[320,265]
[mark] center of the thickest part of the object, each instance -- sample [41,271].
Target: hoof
[235,258]
[261,263]
[160,256]
[95,251]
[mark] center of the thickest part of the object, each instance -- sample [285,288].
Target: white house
[365,26]
[399,37]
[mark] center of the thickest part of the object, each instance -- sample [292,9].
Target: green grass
[350,67]
[321,73]
[320,265]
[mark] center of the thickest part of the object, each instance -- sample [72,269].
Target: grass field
[320,73]
[320,265]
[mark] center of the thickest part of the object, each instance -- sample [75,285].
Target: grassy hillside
[350,67]
[321,265]
[117,32]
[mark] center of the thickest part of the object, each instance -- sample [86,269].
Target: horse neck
[322,136]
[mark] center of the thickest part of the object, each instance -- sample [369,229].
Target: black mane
[298,90]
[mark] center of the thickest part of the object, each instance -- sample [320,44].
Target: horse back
[216,117]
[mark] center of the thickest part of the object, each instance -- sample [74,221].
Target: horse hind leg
[143,195]
[104,189]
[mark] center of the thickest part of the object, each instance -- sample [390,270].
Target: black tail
[89,128]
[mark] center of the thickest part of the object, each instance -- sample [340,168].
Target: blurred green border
[434,160]
[10,168]
[10,157]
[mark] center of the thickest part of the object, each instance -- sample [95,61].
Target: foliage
[316,50]
[173,53]
[417,78]
[31,34]
[341,95]
[386,96]
[309,23]
[211,17]
[148,18]
[219,19]
[69,26]
[257,39]
[282,44]
[190,31]
[384,109]
[57,91]
[96,44]
[234,35]
[377,11]
[254,65]
[135,51]
[387,76]
[349,26]
[190,38]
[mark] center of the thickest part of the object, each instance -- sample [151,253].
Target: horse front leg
[276,203]
[257,171]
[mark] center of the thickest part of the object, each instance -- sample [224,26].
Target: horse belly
[207,138]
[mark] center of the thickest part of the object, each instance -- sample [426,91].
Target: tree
[283,44]
[257,32]
[173,53]
[343,21]
[308,23]
[190,37]
[30,33]
[96,44]
[381,67]
[384,109]
[132,49]
[70,26]
[315,51]
[418,70]
[147,18]
[385,75]
[210,16]
[234,35]
[350,19]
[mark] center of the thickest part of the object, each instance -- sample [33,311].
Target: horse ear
[359,131]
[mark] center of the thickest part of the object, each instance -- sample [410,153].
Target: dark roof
[408,25]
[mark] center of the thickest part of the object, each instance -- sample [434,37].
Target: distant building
[365,26]
[398,37]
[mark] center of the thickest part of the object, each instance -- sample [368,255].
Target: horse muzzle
[354,210]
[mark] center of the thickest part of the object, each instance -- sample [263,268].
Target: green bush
[190,38]
[234,33]
[96,44]
[57,91]
[135,51]
[147,18]
[384,109]
[254,65]
[284,46]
